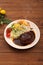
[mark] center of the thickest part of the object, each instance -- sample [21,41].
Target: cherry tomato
[8,32]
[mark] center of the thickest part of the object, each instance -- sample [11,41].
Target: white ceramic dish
[35,28]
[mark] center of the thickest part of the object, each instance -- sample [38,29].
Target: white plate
[35,28]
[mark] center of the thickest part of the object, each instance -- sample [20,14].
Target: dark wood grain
[21,58]
[22,9]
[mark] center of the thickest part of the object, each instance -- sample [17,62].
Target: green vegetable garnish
[3,18]
[6,21]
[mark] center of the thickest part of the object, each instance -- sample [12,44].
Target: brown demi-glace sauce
[25,38]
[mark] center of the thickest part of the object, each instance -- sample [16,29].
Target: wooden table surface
[22,9]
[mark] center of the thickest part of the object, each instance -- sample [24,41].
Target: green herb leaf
[6,21]
[2,16]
